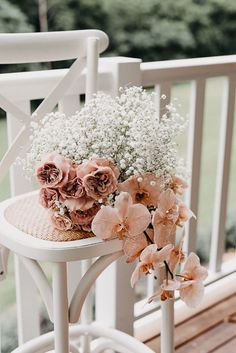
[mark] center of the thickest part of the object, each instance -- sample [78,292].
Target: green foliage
[12,19]
[150,29]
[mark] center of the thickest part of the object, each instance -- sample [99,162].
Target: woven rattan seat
[27,215]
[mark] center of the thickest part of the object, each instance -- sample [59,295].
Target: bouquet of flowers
[113,169]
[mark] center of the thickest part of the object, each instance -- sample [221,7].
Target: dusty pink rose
[84,218]
[54,171]
[86,168]
[100,183]
[61,222]
[102,162]
[48,196]
[74,196]
[145,189]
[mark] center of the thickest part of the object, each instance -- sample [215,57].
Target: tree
[12,19]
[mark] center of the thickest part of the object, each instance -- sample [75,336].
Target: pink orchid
[166,291]
[184,214]
[133,246]
[165,217]
[177,255]
[191,283]
[170,213]
[150,259]
[145,189]
[178,185]
[122,220]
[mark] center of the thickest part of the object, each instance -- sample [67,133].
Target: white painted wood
[26,292]
[167,326]
[19,184]
[4,256]
[223,169]
[87,281]
[194,151]
[18,48]
[60,308]
[41,281]
[27,304]
[186,69]
[122,342]
[92,67]
[69,104]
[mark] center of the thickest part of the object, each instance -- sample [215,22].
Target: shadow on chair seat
[27,215]
[26,229]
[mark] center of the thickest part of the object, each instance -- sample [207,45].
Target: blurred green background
[152,30]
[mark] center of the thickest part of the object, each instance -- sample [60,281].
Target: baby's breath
[126,129]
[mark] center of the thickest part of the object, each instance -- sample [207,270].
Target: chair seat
[27,230]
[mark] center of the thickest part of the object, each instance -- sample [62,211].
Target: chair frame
[84,47]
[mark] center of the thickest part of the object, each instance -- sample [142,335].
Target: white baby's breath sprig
[126,129]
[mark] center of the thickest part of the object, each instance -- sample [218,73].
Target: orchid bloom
[150,259]
[170,213]
[166,291]
[177,255]
[178,185]
[144,189]
[165,217]
[191,282]
[184,214]
[122,220]
[133,246]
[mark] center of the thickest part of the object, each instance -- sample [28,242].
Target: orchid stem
[148,238]
[168,269]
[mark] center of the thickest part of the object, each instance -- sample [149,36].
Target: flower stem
[168,269]
[148,238]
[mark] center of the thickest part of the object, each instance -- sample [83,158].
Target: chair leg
[60,308]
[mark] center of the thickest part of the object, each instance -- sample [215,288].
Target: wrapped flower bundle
[113,169]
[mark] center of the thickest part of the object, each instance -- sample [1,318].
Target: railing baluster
[223,169]
[163,92]
[194,157]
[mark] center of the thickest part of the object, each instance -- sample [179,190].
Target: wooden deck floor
[211,331]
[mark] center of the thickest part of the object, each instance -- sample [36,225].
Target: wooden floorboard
[208,332]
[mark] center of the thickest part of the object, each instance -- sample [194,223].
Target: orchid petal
[138,219]
[133,246]
[105,222]
[122,203]
[192,294]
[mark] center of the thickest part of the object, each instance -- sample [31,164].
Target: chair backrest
[84,46]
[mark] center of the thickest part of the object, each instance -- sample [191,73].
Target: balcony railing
[120,309]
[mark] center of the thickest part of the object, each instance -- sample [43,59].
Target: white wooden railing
[119,308]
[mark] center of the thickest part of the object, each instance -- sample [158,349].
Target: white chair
[84,46]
